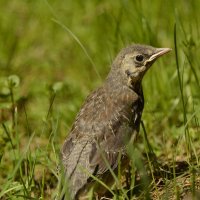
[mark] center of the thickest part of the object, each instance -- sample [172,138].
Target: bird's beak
[158,52]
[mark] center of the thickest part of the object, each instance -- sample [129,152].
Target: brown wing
[102,123]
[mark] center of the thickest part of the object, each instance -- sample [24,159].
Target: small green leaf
[13,81]
[57,86]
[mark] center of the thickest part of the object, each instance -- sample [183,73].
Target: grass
[53,53]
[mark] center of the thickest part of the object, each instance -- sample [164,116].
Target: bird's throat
[134,85]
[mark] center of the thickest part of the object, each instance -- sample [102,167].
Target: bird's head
[133,61]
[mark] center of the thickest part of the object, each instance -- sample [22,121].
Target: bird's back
[104,122]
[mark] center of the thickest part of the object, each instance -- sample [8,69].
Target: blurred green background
[59,51]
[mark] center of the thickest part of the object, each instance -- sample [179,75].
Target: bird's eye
[139,58]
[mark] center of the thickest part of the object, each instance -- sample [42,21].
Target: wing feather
[100,128]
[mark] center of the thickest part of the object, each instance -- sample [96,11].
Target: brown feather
[108,120]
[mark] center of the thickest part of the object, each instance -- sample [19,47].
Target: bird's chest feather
[109,115]
[119,120]
[136,111]
[128,106]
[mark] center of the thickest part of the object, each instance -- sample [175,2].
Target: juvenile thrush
[109,118]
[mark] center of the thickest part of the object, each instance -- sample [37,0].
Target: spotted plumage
[108,120]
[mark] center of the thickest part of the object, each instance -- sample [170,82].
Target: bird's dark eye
[139,58]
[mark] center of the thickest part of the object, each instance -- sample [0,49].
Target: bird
[108,121]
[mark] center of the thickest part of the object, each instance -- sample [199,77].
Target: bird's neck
[116,82]
[136,87]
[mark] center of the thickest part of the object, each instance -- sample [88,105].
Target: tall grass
[52,54]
